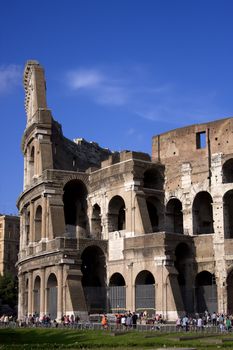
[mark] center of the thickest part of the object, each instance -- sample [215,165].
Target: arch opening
[145,292]
[94,279]
[36,296]
[38,224]
[183,265]
[96,226]
[227,212]
[230,293]
[227,171]
[52,296]
[117,293]
[116,214]
[155,212]
[75,208]
[206,292]
[203,214]
[174,216]
[31,163]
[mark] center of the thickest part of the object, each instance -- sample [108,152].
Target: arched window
[227,171]
[203,214]
[38,223]
[75,207]
[174,216]
[116,214]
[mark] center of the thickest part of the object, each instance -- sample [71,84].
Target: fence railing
[160,328]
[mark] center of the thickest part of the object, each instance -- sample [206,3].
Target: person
[123,320]
[118,320]
[134,320]
[178,323]
[214,318]
[185,323]
[199,323]
[104,322]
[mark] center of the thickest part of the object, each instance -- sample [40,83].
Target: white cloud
[138,92]
[84,79]
[9,77]
[99,86]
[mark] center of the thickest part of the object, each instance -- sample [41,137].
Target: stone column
[30,291]
[130,290]
[218,218]
[21,306]
[60,293]
[219,252]
[42,293]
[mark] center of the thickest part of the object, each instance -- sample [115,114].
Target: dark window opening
[201,139]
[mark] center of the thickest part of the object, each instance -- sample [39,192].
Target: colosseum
[106,231]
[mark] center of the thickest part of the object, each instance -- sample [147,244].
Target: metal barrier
[157,328]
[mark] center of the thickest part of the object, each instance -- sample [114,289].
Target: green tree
[8,290]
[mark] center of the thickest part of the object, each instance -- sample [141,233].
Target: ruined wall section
[77,155]
[181,146]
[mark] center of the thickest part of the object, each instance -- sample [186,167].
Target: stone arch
[38,223]
[183,265]
[145,292]
[76,177]
[94,278]
[52,296]
[117,293]
[174,216]
[153,179]
[227,171]
[96,226]
[206,292]
[227,214]
[75,208]
[203,213]
[36,295]
[116,214]
[156,213]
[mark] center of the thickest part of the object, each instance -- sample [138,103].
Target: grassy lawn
[77,339]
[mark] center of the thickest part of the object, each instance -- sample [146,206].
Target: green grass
[28,339]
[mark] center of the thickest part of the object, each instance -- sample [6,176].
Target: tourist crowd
[127,320]
[199,322]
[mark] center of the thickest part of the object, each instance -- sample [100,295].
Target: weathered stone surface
[109,231]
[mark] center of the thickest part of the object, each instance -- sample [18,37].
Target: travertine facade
[9,244]
[114,231]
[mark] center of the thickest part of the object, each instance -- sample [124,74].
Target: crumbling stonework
[108,231]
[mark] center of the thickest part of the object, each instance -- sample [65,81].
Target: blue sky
[117,71]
